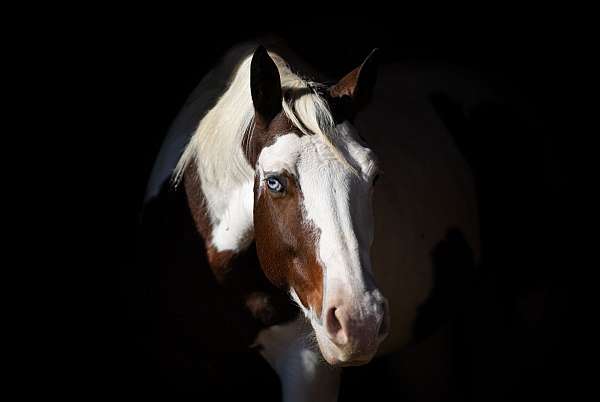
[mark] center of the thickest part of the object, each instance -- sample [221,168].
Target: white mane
[216,145]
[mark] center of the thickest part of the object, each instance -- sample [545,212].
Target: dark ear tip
[260,51]
[261,57]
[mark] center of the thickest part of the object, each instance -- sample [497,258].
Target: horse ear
[354,90]
[265,86]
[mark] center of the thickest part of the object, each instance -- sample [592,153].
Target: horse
[315,210]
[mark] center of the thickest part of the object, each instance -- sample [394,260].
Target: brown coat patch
[239,273]
[286,243]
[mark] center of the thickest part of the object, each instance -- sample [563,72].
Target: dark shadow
[186,337]
[452,115]
[453,274]
[505,332]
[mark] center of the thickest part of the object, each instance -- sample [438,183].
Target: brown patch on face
[286,242]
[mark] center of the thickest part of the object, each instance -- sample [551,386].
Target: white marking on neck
[233,228]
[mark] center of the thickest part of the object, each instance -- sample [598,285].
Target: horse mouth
[355,362]
[345,360]
[335,362]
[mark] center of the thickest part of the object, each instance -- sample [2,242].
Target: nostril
[332,322]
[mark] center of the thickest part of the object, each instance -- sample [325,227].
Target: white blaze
[336,200]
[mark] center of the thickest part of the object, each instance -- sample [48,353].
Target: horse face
[313,224]
[313,215]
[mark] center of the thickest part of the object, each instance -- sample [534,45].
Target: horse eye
[274,184]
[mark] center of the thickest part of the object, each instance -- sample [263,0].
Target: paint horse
[281,173]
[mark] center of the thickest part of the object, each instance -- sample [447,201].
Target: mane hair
[216,145]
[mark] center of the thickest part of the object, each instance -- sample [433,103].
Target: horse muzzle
[352,332]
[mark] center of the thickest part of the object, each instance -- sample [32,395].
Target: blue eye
[274,184]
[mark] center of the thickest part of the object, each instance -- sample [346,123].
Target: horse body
[425,190]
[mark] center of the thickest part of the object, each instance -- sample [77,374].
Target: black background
[124,79]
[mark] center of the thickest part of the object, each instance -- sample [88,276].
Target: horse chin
[335,356]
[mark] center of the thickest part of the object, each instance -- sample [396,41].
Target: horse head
[312,211]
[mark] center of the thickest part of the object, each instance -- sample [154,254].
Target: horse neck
[222,214]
